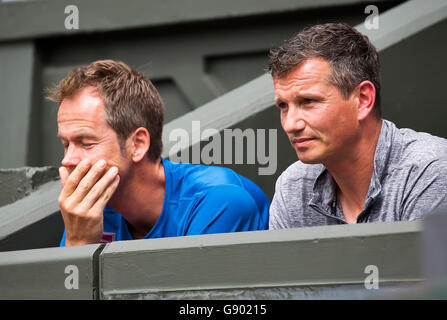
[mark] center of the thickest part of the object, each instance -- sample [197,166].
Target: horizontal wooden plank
[316,256]
[53,273]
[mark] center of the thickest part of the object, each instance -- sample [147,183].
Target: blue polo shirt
[199,200]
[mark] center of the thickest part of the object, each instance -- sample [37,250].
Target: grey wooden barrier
[318,262]
[52,273]
[307,263]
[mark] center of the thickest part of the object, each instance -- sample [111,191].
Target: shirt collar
[324,191]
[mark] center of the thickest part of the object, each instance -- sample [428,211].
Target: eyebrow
[300,97]
[80,136]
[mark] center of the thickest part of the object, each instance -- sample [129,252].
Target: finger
[88,181]
[63,173]
[99,188]
[106,195]
[72,181]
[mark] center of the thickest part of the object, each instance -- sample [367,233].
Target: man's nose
[72,157]
[294,121]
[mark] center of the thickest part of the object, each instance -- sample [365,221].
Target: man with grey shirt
[353,165]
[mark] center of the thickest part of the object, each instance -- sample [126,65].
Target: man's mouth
[302,142]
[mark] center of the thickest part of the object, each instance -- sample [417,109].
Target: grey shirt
[408,181]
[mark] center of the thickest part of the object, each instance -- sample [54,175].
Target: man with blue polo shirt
[116,186]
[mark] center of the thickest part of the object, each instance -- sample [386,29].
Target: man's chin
[308,159]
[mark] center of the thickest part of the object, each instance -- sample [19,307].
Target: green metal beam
[405,20]
[16,92]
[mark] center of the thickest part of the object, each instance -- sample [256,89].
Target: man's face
[320,123]
[85,134]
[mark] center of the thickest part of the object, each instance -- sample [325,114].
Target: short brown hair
[352,57]
[131,100]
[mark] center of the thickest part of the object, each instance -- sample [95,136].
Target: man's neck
[140,199]
[352,173]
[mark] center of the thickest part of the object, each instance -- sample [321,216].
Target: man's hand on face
[85,193]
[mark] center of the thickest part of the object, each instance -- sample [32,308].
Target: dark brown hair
[131,100]
[352,57]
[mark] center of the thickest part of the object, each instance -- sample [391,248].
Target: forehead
[87,103]
[85,110]
[309,74]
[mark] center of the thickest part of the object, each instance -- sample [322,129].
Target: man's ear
[140,143]
[366,98]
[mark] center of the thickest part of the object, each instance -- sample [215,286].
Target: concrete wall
[33,221]
[18,183]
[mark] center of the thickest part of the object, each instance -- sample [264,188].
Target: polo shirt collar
[324,188]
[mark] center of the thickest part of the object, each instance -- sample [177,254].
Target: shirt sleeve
[427,191]
[62,243]
[226,208]
[278,209]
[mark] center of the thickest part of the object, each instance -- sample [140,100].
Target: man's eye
[87,145]
[281,105]
[308,101]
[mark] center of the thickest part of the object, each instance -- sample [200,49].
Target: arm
[85,193]
[226,208]
[427,191]
[278,209]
